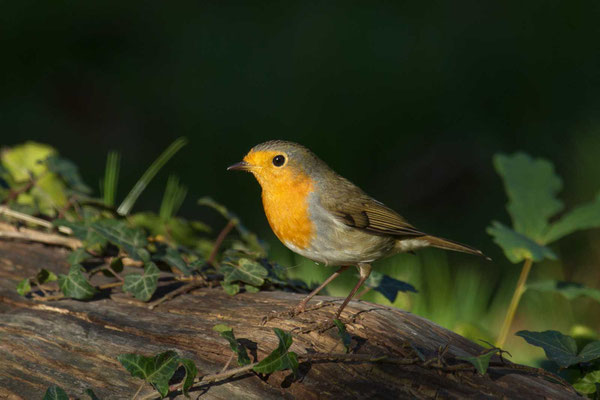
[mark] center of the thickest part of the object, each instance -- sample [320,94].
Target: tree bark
[74,344]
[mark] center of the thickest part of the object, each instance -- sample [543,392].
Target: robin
[322,216]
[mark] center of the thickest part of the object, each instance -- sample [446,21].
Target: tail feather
[446,244]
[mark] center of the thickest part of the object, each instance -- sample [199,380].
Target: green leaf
[518,247]
[111,178]
[150,173]
[69,172]
[559,348]
[157,370]
[91,394]
[174,259]
[280,358]
[190,374]
[251,289]
[172,198]
[589,383]
[570,290]
[582,217]
[388,286]
[245,270]
[83,231]
[142,286]
[227,333]
[55,393]
[75,285]
[24,287]
[45,276]
[78,256]
[231,289]
[590,352]
[343,334]
[131,240]
[481,362]
[531,186]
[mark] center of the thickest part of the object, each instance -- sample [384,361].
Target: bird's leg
[365,271]
[302,305]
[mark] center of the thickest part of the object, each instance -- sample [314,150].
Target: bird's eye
[278,160]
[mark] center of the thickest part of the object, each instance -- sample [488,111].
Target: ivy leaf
[388,286]
[45,276]
[174,259]
[481,362]
[69,172]
[560,348]
[84,232]
[75,285]
[91,394]
[190,374]
[570,290]
[78,256]
[280,358]
[582,217]
[231,289]
[55,393]
[343,334]
[24,287]
[131,240]
[227,333]
[157,370]
[245,270]
[531,186]
[589,383]
[142,287]
[517,246]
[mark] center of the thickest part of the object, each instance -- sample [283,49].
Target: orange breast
[286,206]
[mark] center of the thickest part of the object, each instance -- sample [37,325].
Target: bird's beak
[241,166]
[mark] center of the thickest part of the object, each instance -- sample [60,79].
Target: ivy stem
[222,235]
[514,302]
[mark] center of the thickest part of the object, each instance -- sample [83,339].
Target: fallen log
[394,354]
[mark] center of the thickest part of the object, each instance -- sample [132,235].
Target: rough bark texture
[74,344]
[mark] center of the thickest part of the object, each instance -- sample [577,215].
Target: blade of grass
[111,178]
[172,198]
[143,182]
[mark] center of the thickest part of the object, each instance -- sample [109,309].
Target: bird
[324,217]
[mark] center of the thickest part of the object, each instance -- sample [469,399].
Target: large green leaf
[560,348]
[244,270]
[142,287]
[531,186]
[75,285]
[55,393]
[581,217]
[132,240]
[280,358]
[569,290]
[589,383]
[517,246]
[157,370]
[227,333]
[388,286]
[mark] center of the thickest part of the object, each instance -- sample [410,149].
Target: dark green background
[409,100]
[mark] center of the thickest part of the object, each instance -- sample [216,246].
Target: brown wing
[372,216]
[355,208]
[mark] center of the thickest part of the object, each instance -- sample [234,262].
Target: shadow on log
[74,344]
